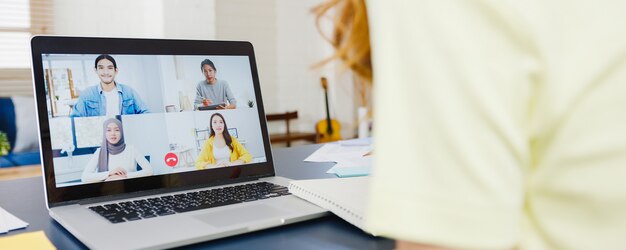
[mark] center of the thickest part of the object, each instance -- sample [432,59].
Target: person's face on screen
[209,73]
[113,133]
[106,71]
[217,124]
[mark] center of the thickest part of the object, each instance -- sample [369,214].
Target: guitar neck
[329,128]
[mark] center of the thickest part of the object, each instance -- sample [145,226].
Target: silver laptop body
[165,128]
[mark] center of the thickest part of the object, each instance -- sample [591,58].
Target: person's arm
[199,97]
[232,102]
[205,156]
[90,173]
[452,96]
[244,155]
[140,106]
[139,159]
[79,108]
[407,245]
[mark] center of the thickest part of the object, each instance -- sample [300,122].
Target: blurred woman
[511,121]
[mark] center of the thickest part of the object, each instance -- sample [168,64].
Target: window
[19,20]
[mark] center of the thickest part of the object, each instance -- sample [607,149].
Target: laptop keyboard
[180,203]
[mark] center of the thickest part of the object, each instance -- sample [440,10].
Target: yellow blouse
[206,155]
[499,124]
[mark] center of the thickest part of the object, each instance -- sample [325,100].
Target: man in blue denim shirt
[108,98]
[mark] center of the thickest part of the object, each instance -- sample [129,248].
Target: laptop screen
[141,115]
[113,117]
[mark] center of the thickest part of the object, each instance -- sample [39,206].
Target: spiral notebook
[344,197]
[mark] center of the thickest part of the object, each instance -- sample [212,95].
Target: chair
[289,136]
[24,150]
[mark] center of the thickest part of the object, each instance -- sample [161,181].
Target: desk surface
[24,198]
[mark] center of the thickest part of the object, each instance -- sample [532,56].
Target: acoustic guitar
[328,130]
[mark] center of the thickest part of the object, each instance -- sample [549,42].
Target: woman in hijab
[115,159]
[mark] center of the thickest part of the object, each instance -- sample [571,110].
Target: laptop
[130,163]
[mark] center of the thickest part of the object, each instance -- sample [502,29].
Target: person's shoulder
[126,89]
[130,148]
[235,141]
[210,140]
[122,86]
[91,89]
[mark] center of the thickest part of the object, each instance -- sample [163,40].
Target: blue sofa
[9,126]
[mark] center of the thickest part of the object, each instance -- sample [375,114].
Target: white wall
[283,33]
[298,84]
[287,44]
[191,19]
[137,18]
[253,21]
[148,134]
[140,18]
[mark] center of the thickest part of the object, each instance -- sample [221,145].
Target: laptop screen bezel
[41,45]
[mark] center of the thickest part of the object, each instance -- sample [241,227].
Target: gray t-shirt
[218,92]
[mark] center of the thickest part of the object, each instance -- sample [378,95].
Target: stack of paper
[9,222]
[351,157]
[346,198]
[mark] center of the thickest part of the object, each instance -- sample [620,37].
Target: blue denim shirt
[93,103]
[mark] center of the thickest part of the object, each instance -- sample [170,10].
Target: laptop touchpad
[240,215]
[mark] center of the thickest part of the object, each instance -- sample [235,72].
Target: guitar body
[322,126]
[327,129]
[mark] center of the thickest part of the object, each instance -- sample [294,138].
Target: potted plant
[4,144]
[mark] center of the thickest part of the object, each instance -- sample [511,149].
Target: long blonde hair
[350,36]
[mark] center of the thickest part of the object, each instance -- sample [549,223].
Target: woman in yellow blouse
[221,150]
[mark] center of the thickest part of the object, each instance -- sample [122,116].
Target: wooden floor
[20,172]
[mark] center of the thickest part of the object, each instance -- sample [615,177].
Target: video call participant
[115,159]
[109,97]
[212,91]
[221,150]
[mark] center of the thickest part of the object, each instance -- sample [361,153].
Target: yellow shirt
[206,155]
[500,123]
